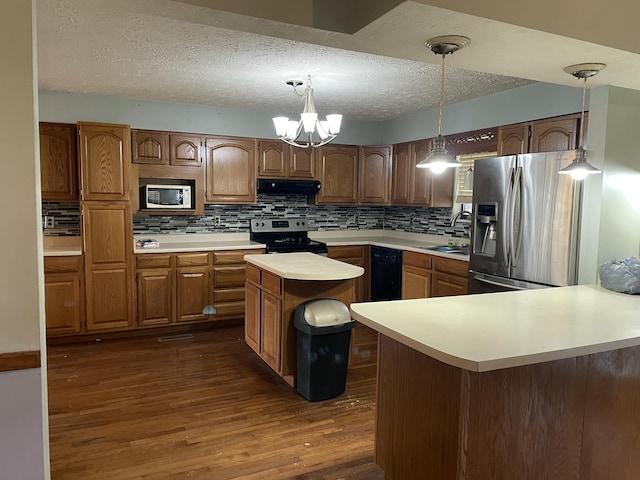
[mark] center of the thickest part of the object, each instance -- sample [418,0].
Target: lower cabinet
[186,287]
[425,276]
[360,256]
[64,295]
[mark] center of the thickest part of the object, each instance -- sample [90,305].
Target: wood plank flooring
[203,408]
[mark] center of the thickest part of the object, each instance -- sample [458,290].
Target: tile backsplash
[236,218]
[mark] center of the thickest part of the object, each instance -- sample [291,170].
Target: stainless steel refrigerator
[526,219]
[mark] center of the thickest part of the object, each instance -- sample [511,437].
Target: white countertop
[501,330]
[200,242]
[305,266]
[53,246]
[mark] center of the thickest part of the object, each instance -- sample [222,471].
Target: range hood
[278,185]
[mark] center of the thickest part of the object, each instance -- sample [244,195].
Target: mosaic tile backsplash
[236,218]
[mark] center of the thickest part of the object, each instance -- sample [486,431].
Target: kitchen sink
[447,249]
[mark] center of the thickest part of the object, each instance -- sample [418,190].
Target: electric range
[285,235]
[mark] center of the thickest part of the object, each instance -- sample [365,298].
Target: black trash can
[323,336]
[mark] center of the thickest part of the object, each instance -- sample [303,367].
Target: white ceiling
[169,51]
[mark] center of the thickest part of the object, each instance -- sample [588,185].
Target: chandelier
[439,159]
[311,131]
[580,167]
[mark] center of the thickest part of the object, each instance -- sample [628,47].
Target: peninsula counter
[536,384]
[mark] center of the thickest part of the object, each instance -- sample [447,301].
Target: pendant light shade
[439,159]
[580,168]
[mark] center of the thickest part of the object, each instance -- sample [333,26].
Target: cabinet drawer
[253,274]
[271,283]
[421,260]
[229,276]
[62,264]
[345,252]
[228,295]
[230,309]
[192,259]
[226,258]
[153,261]
[454,267]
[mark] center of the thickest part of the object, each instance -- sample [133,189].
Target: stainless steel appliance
[166,196]
[285,235]
[525,223]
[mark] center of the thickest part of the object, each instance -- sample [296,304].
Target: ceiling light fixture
[289,130]
[439,159]
[580,167]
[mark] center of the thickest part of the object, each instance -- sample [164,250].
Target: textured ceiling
[169,51]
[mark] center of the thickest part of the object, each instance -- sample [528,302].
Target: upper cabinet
[550,135]
[375,173]
[230,170]
[105,161]
[278,159]
[186,150]
[338,174]
[58,162]
[419,186]
[151,148]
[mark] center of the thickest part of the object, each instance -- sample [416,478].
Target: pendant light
[439,159]
[580,167]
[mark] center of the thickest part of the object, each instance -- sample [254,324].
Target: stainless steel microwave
[166,196]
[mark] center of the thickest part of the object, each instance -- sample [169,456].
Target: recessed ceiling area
[172,51]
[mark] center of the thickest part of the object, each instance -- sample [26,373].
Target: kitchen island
[536,384]
[276,284]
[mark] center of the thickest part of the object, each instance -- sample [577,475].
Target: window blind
[465,195]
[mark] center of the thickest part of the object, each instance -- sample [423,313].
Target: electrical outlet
[49,221]
[217,221]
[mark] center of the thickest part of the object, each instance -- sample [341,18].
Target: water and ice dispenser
[484,238]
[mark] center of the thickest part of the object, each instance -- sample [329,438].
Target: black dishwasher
[386,274]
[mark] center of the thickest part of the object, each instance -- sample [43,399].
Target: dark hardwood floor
[203,408]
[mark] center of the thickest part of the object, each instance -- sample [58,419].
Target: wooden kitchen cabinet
[375,175]
[105,161]
[229,275]
[425,276]
[155,296]
[360,256]
[107,234]
[338,174]
[252,316]
[230,170]
[548,135]
[278,159]
[64,295]
[420,177]
[149,147]
[193,294]
[185,149]
[270,331]
[58,162]
[401,177]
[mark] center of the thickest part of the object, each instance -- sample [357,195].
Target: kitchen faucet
[464,214]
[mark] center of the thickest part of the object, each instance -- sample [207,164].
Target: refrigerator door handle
[516,243]
[506,220]
[507,283]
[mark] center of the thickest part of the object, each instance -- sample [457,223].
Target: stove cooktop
[285,235]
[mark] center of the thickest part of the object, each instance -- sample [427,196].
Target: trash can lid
[326,312]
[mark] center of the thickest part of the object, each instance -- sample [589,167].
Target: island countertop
[502,330]
[305,266]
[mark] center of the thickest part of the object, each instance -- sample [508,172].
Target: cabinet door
[448,285]
[401,174]
[302,162]
[192,294]
[185,150]
[514,139]
[107,233]
[554,135]
[105,161]
[416,282]
[270,333]
[421,185]
[149,147]
[443,187]
[63,303]
[155,295]
[58,162]
[231,170]
[359,256]
[375,170]
[338,174]
[274,159]
[252,317]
